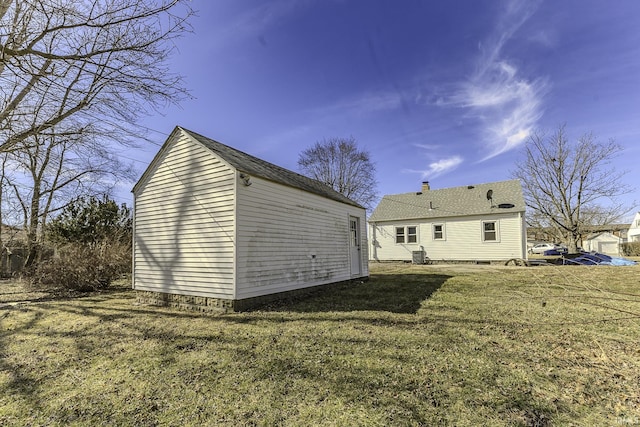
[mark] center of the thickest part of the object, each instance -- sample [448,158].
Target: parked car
[559,250]
[541,248]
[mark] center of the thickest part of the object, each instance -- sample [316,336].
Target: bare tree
[571,187]
[75,78]
[339,163]
[53,171]
[97,61]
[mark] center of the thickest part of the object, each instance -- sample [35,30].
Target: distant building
[604,242]
[541,234]
[482,222]
[633,234]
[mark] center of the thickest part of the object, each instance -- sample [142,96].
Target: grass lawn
[415,345]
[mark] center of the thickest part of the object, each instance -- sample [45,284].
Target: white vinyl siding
[464,239]
[290,239]
[200,230]
[387,248]
[185,224]
[633,235]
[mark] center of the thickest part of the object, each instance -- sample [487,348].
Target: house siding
[184,224]
[289,239]
[463,239]
[633,235]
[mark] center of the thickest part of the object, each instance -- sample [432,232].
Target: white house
[604,242]
[483,222]
[215,227]
[633,235]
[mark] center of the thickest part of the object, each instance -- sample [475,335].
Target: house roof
[478,199]
[254,166]
[603,235]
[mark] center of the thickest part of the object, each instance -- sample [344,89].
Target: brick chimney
[425,186]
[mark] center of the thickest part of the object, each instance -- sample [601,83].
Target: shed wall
[289,239]
[463,239]
[185,225]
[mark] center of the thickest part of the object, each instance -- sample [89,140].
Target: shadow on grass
[269,360]
[20,293]
[395,293]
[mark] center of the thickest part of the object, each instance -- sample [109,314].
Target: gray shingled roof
[254,166]
[451,202]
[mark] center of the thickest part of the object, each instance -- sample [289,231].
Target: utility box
[418,257]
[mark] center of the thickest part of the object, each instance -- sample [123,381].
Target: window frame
[405,237]
[495,231]
[410,235]
[354,233]
[442,232]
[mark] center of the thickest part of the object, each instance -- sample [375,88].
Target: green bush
[630,249]
[92,238]
[82,267]
[91,221]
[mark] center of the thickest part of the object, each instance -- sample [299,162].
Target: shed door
[354,245]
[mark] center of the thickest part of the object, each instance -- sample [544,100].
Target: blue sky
[439,91]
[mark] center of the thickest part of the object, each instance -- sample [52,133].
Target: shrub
[91,221]
[93,246]
[81,267]
[630,249]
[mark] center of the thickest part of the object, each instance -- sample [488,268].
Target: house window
[407,234]
[353,226]
[490,231]
[412,234]
[438,231]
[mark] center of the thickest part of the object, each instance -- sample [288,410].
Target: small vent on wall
[506,205]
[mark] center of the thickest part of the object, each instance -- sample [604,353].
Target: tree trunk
[33,226]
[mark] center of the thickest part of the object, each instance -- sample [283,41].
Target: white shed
[473,223]
[216,227]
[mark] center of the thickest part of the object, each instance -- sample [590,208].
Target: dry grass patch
[415,345]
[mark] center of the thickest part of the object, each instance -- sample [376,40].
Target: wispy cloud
[428,147]
[438,167]
[507,104]
[365,103]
